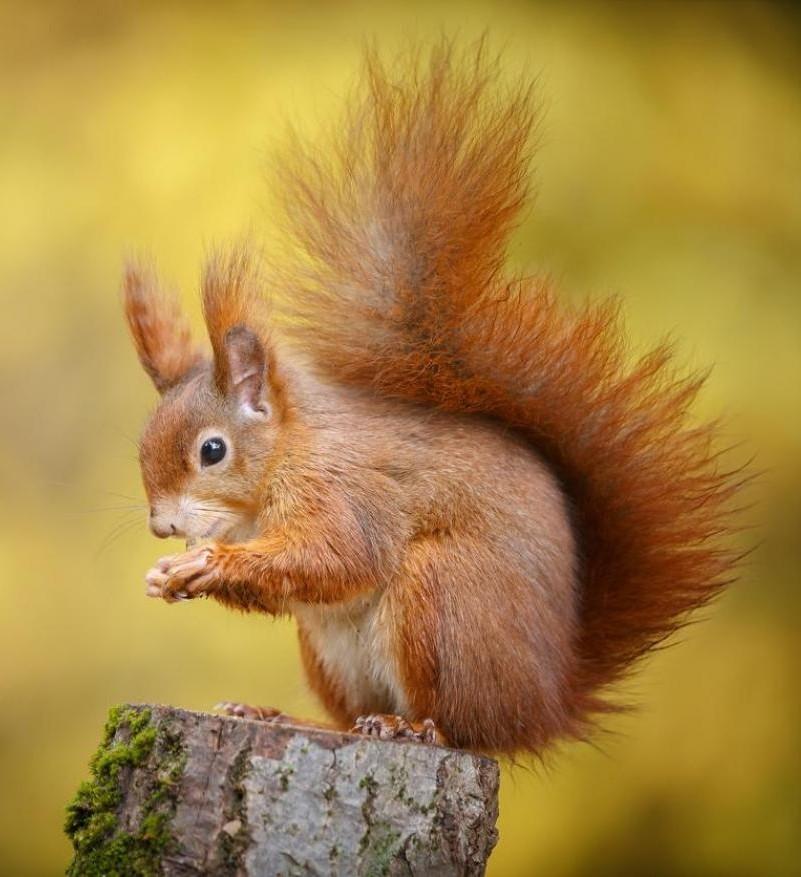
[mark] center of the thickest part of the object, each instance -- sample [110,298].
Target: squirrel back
[401,228]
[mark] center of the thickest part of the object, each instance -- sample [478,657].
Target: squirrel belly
[349,657]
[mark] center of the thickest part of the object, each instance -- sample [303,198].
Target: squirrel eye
[212,451]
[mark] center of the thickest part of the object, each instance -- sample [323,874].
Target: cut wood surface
[176,792]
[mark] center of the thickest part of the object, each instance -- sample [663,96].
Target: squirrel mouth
[196,541]
[206,538]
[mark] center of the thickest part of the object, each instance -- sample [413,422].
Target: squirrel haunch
[479,510]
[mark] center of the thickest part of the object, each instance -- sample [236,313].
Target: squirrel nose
[161,527]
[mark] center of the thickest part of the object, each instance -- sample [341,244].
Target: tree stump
[175,792]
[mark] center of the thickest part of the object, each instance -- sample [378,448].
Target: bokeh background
[670,172]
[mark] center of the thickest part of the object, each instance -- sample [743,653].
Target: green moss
[379,844]
[380,850]
[129,741]
[369,782]
[283,773]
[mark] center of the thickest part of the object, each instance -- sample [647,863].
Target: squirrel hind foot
[270,715]
[245,711]
[388,727]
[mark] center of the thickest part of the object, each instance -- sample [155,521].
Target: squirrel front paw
[183,576]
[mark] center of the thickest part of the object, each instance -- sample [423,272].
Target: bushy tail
[401,225]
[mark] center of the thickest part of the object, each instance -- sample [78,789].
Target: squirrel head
[206,449]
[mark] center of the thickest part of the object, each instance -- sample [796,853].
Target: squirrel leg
[387,727]
[335,699]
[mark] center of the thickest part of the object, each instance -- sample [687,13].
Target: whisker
[116,533]
[217,511]
[128,509]
[122,496]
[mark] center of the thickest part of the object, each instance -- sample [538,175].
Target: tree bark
[175,792]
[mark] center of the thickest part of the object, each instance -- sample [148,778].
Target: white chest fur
[352,640]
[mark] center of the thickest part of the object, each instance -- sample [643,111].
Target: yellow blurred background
[670,172]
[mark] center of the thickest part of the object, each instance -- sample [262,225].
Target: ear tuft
[236,321]
[159,329]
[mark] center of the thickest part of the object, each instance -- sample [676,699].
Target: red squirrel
[479,509]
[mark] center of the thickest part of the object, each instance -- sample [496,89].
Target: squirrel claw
[386,727]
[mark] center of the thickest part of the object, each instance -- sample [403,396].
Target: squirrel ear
[247,371]
[160,330]
[235,319]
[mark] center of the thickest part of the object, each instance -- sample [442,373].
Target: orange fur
[232,299]
[159,329]
[478,510]
[402,226]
